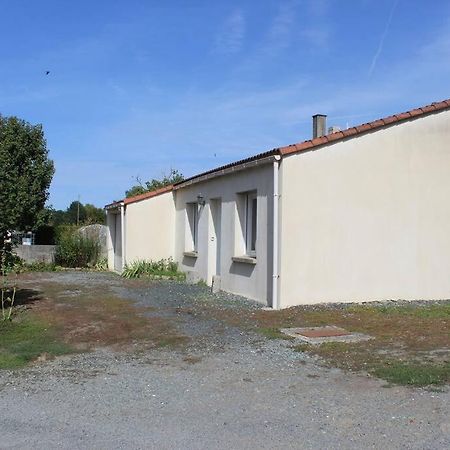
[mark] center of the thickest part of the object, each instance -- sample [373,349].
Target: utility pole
[78,211]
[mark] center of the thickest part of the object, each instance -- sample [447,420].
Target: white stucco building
[356,215]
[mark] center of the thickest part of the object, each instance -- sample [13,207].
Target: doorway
[117,243]
[215,237]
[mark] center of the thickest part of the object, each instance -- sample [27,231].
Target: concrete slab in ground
[319,335]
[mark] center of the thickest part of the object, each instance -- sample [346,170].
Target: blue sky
[138,87]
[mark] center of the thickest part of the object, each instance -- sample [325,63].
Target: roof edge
[365,128]
[140,197]
[146,195]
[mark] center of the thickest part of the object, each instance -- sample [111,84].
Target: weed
[164,268]
[274,333]
[101,265]
[38,266]
[302,347]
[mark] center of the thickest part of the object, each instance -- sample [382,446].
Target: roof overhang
[228,170]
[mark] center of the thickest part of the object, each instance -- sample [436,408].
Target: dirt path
[220,388]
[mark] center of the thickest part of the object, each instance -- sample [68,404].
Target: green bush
[74,250]
[164,268]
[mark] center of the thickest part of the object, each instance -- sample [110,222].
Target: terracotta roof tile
[439,105]
[402,116]
[335,136]
[364,127]
[349,132]
[378,123]
[390,119]
[319,141]
[429,108]
[304,145]
[146,195]
[416,112]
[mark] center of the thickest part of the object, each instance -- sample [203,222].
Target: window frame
[251,223]
[192,220]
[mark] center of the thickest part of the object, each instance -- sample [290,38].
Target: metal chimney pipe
[319,125]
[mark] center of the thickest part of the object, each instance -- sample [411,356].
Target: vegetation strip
[411,344]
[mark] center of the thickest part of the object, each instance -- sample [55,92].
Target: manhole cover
[319,335]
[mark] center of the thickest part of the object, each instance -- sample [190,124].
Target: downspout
[122,234]
[276,196]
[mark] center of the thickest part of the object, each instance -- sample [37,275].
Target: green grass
[22,341]
[437,311]
[274,333]
[414,374]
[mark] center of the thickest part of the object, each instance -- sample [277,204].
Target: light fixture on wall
[201,200]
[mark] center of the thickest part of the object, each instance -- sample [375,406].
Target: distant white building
[356,215]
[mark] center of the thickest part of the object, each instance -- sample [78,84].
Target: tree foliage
[26,174]
[77,214]
[173,177]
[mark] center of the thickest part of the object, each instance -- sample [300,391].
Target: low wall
[36,253]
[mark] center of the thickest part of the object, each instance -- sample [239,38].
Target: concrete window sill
[244,259]
[191,254]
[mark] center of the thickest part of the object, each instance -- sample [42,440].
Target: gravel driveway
[225,389]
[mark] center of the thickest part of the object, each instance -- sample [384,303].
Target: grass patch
[24,340]
[414,374]
[274,333]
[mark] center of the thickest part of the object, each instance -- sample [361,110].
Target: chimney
[319,125]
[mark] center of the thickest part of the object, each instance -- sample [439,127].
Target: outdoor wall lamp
[201,200]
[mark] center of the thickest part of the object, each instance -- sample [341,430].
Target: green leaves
[26,174]
[173,177]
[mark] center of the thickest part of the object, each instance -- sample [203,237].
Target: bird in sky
[47,72]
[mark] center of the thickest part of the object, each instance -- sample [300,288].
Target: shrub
[74,250]
[164,268]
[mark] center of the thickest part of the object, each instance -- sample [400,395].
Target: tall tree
[76,213]
[173,177]
[94,214]
[26,174]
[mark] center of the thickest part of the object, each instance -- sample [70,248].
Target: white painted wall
[250,280]
[110,223]
[150,226]
[114,239]
[369,218]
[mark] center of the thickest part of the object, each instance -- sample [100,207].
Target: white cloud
[280,32]
[231,36]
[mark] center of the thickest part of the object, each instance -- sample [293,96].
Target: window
[192,222]
[251,210]
[246,227]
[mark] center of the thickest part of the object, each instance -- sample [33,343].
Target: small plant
[101,265]
[164,268]
[8,291]
[8,295]
[37,266]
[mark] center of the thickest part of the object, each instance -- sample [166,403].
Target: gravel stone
[238,390]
